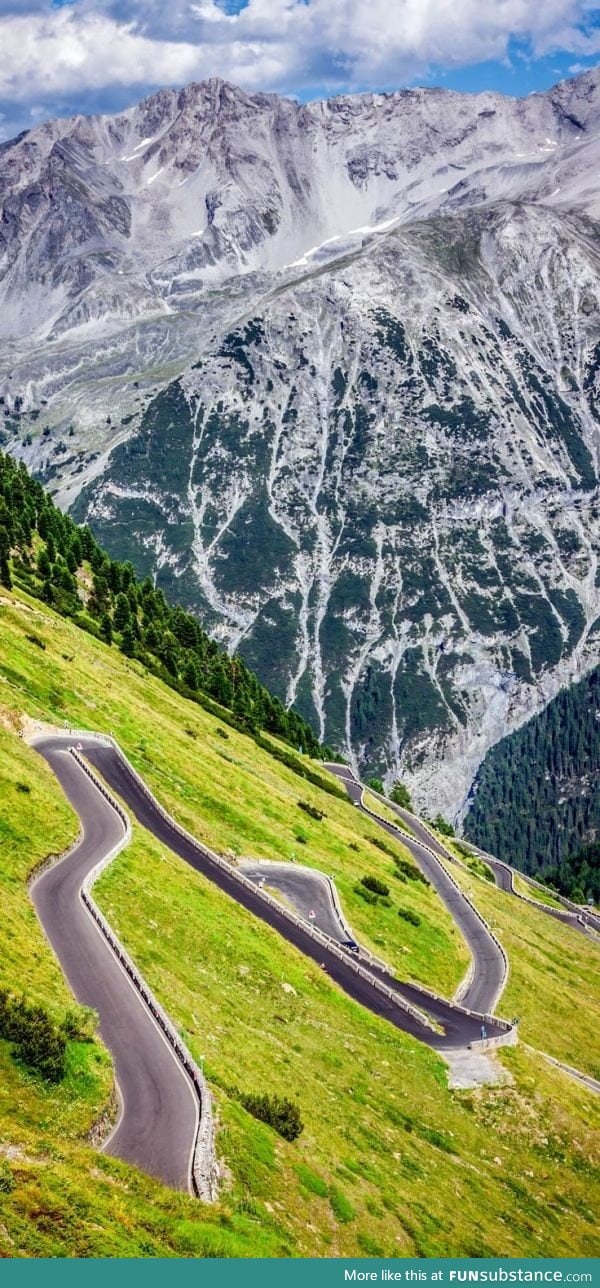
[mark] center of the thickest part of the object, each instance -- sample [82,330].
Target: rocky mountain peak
[330,372]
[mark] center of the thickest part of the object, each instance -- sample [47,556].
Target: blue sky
[65,56]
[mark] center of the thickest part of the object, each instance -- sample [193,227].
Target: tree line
[43,552]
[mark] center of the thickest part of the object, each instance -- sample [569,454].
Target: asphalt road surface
[503,873]
[489,966]
[308,893]
[503,876]
[157,1125]
[460,1028]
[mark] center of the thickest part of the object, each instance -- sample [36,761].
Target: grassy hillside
[218,783]
[554,981]
[479,867]
[58,1196]
[533,892]
[390,1161]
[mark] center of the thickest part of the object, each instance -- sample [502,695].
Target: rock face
[330,373]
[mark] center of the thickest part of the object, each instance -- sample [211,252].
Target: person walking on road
[483,1032]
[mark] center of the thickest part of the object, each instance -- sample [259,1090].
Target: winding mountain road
[489,971]
[305,889]
[461,1027]
[578,918]
[158,1122]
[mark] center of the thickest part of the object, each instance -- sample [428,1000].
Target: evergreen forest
[536,801]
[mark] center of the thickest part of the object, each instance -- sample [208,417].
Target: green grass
[532,892]
[463,851]
[466,856]
[231,794]
[554,980]
[383,1139]
[33,823]
[63,1198]
[390,1159]
[383,811]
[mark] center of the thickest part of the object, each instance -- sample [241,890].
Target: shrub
[442,825]
[35,639]
[7,1180]
[369,1246]
[278,1112]
[376,785]
[365,894]
[301,838]
[222,733]
[375,886]
[23,787]
[303,770]
[410,916]
[405,869]
[438,1139]
[400,795]
[381,845]
[37,1040]
[41,1045]
[80,1024]
[311,810]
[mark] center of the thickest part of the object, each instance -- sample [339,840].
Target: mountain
[329,373]
[534,801]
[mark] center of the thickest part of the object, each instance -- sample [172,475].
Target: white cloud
[279,44]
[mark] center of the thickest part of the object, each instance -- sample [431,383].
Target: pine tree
[128,641]
[44,565]
[190,674]
[106,632]
[5,577]
[122,613]
[401,795]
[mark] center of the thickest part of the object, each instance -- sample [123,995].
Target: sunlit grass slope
[390,1161]
[218,783]
[533,892]
[554,980]
[58,1196]
[419,1168]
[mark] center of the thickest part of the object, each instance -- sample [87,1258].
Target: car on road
[351,945]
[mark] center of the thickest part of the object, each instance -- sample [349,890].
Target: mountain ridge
[329,373]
